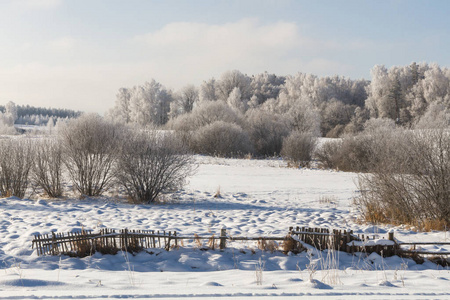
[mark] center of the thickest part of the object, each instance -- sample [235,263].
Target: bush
[360,153]
[298,148]
[15,162]
[46,170]
[90,149]
[328,153]
[151,164]
[350,154]
[209,112]
[266,132]
[412,183]
[222,139]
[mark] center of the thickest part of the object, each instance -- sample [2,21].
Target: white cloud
[72,73]
[245,42]
[199,51]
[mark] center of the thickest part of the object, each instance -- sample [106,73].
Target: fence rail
[110,241]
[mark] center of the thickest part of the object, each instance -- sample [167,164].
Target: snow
[257,198]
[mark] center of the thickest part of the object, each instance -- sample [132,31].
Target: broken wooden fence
[109,241]
[344,240]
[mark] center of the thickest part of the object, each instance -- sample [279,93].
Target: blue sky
[77,53]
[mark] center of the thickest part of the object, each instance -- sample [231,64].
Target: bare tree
[152,163]
[15,163]
[46,171]
[90,147]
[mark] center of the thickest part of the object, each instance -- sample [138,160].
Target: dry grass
[212,242]
[197,241]
[291,245]
[387,215]
[217,194]
[328,200]
[266,245]
[432,224]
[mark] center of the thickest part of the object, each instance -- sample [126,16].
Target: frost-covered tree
[208,91]
[265,86]
[335,115]
[121,111]
[436,116]
[236,102]
[231,80]
[150,104]
[184,101]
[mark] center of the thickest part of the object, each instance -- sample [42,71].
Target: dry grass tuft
[291,245]
[197,241]
[266,245]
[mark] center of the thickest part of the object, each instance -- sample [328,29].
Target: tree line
[261,110]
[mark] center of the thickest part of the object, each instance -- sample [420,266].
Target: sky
[76,54]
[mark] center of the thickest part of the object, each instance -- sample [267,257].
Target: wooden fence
[343,240]
[108,241]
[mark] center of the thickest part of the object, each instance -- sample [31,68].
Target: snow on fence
[346,241]
[108,241]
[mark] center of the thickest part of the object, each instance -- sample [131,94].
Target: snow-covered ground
[258,197]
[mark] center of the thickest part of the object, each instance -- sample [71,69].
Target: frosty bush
[151,164]
[360,153]
[15,162]
[412,182]
[351,154]
[266,132]
[212,111]
[328,153]
[222,139]
[298,148]
[46,171]
[90,147]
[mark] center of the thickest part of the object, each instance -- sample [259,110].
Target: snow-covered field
[258,197]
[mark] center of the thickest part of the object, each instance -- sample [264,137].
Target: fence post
[394,247]
[125,239]
[391,236]
[223,238]
[53,244]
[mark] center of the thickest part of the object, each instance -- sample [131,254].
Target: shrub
[46,170]
[412,183]
[222,139]
[209,112]
[15,162]
[90,148]
[266,132]
[327,153]
[361,153]
[206,113]
[298,148]
[151,164]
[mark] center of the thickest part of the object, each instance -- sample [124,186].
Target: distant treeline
[32,115]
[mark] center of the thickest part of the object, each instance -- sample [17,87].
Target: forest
[273,106]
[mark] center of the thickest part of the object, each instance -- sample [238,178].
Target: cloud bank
[81,74]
